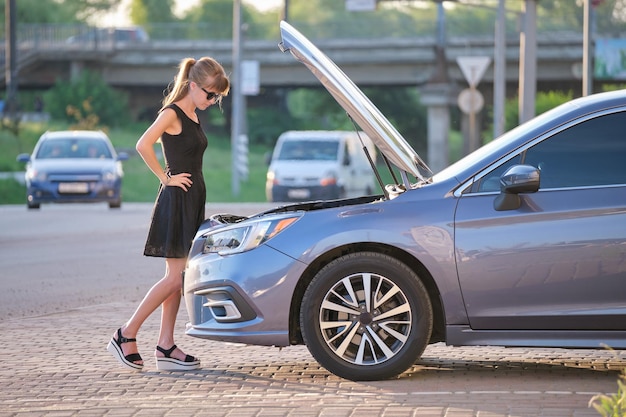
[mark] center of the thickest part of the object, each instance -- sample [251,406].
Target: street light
[11,56]
[238,103]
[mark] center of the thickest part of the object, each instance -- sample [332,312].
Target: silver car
[521,243]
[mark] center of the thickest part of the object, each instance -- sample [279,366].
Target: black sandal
[167,363]
[115,348]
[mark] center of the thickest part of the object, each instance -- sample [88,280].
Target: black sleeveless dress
[177,214]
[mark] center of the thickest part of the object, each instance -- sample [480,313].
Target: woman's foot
[129,357]
[173,359]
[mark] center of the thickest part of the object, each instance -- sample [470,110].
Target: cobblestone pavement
[57,365]
[70,275]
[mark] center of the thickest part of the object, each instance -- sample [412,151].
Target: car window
[52,149]
[305,150]
[73,148]
[94,149]
[491,181]
[591,153]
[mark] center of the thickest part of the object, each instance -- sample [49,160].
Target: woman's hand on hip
[182,180]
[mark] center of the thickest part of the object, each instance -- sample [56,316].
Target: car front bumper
[48,192]
[304,193]
[241,298]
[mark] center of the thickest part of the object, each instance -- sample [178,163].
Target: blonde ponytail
[198,71]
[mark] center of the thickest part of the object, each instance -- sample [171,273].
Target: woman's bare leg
[167,287]
[169,311]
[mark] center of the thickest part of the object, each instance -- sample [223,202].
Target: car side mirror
[23,157]
[516,180]
[122,156]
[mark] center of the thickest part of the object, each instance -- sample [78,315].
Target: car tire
[115,204]
[360,340]
[33,206]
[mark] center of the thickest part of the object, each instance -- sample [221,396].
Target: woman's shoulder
[173,108]
[169,112]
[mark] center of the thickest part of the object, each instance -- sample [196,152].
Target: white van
[320,165]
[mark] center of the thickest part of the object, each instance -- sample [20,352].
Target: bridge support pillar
[438,97]
[76,68]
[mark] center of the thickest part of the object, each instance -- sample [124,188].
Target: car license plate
[73,187]
[299,193]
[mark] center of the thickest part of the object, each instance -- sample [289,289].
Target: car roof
[318,134]
[83,134]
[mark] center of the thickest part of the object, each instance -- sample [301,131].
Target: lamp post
[237,114]
[528,62]
[588,30]
[499,71]
[10,106]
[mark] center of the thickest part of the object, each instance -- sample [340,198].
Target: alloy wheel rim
[365,319]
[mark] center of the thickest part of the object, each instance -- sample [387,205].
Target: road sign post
[470,100]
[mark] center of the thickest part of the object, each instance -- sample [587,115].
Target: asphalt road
[67,256]
[71,274]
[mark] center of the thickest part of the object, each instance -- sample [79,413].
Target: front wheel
[366,316]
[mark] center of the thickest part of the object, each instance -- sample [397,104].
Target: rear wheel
[366,316]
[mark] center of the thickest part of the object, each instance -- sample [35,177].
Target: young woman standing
[179,207]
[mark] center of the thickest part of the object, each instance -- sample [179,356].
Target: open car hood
[387,139]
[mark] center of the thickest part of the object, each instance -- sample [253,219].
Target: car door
[558,261]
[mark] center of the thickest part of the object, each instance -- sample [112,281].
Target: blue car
[73,167]
[521,243]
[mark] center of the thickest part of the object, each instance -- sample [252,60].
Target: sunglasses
[211,95]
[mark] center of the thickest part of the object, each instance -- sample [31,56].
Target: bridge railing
[362,27]
[51,37]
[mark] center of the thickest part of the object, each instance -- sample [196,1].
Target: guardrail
[362,27]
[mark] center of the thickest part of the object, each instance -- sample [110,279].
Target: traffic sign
[470,101]
[473,68]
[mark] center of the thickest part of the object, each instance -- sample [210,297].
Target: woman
[179,207]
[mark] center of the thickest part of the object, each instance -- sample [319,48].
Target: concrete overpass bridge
[145,68]
[386,61]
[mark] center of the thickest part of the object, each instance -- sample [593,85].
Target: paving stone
[58,366]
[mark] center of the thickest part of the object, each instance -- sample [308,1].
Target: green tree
[213,19]
[403,107]
[609,15]
[85,10]
[143,12]
[41,11]
[544,102]
[87,97]
[54,11]
[317,109]
[330,19]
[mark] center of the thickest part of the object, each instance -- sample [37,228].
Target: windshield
[308,150]
[73,148]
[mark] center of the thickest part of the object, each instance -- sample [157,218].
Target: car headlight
[109,176]
[244,237]
[330,178]
[34,175]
